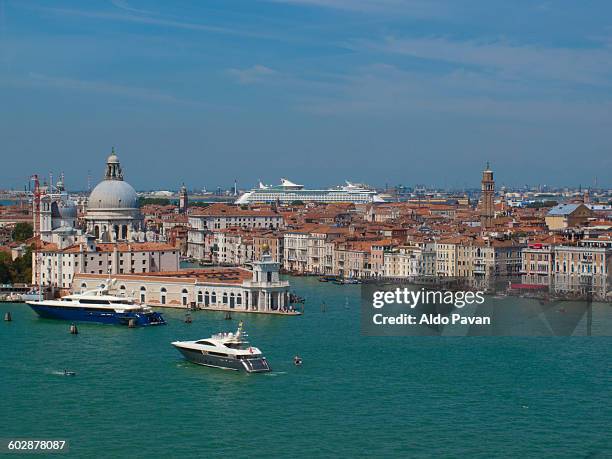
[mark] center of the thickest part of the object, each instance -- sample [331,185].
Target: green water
[354,396]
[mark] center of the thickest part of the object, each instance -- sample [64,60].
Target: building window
[184,296]
[162,296]
[143,292]
[200,297]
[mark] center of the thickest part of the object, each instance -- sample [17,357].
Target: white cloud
[384,90]
[254,74]
[417,8]
[40,80]
[586,66]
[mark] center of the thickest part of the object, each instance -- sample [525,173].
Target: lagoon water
[355,396]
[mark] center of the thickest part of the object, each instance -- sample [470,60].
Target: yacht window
[94,301]
[207,343]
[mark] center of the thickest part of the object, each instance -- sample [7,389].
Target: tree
[155,201]
[16,271]
[22,231]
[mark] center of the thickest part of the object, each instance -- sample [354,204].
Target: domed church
[112,208]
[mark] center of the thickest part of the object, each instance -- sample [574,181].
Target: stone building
[233,289]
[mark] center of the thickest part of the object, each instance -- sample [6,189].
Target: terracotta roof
[225,210]
[234,276]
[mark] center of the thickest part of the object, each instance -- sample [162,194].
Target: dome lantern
[113,167]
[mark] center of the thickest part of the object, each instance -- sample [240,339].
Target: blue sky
[379,91]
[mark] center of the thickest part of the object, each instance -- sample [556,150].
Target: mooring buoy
[8,317]
[73,329]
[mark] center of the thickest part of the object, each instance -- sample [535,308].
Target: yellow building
[565,216]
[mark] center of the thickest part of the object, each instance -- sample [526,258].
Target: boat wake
[60,372]
[276,373]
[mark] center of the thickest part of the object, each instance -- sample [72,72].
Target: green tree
[22,231]
[16,271]
[5,274]
[155,201]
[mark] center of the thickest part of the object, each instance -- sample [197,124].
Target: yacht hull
[255,365]
[76,314]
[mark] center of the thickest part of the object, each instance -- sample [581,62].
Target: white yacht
[229,351]
[97,306]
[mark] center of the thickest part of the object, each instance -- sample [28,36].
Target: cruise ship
[97,306]
[228,351]
[288,192]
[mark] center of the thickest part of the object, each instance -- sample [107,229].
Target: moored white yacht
[229,351]
[97,306]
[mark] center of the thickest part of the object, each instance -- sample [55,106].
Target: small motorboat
[69,373]
[297,361]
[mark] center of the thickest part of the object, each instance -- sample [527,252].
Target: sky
[318,91]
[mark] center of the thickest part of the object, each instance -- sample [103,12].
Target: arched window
[225,298]
[206,298]
[162,295]
[232,300]
[239,299]
[97,232]
[213,298]
[200,297]
[184,296]
[124,230]
[143,291]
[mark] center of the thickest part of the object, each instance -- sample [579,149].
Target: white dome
[113,194]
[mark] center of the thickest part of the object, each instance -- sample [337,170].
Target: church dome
[113,194]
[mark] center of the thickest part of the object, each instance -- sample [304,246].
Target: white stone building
[233,289]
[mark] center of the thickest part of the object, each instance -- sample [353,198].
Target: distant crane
[34,178]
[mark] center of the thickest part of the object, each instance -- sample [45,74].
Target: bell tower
[487,210]
[183,200]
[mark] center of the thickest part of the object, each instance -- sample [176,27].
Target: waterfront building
[538,261]
[568,215]
[320,249]
[288,192]
[55,266]
[487,209]
[232,289]
[403,262]
[295,246]
[585,268]
[479,259]
[353,259]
